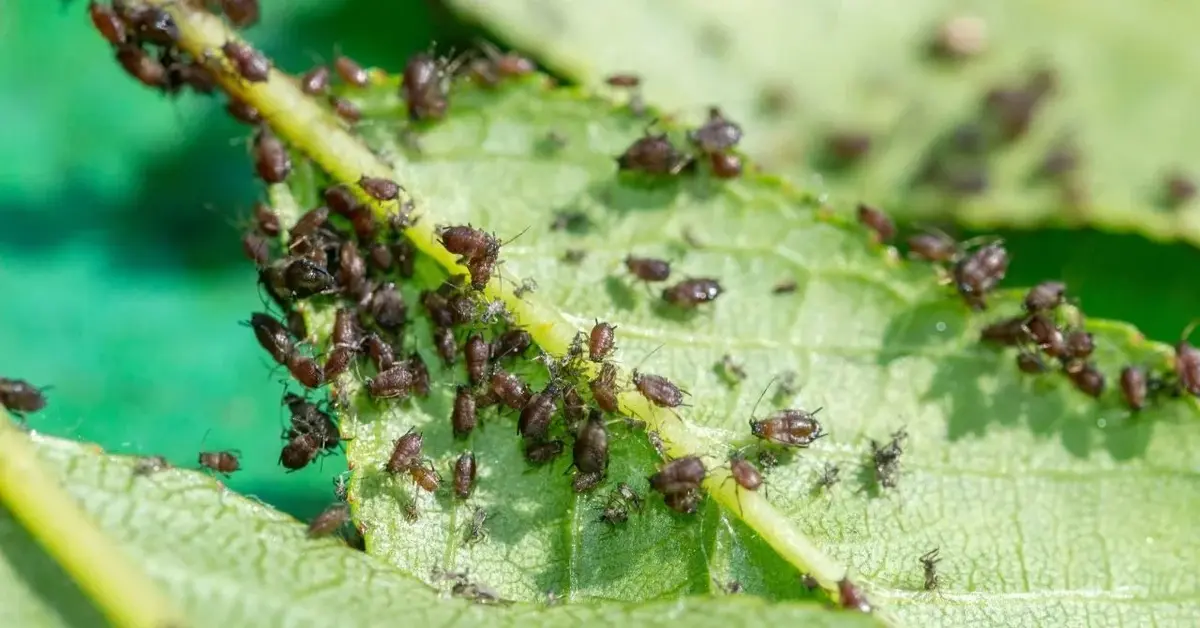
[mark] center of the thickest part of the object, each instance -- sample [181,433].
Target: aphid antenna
[647,357]
[1187,331]
[761,395]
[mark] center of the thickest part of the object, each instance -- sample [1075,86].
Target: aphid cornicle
[350,71]
[18,395]
[541,453]
[690,293]
[1134,387]
[534,422]
[406,452]
[271,158]
[251,64]
[315,81]
[1045,296]
[717,135]
[464,475]
[658,390]
[476,353]
[679,475]
[299,451]
[223,462]
[648,268]
[604,388]
[591,445]
[394,383]
[463,418]
[600,341]
[272,336]
[380,188]
[878,222]
[329,521]
[509,389]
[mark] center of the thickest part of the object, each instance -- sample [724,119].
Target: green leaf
[232,561]
[864,68]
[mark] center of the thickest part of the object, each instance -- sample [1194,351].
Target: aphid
[790,427]
[847,147]
[1179,189]
[272,336]
[420,374]
[345,329]
[511,64]
[382,354]
[394,383]
[929,561]
[380,188]
[426,477]
[829,476]
[733,587]
[307,418]
[304,278]
[271,158]
[614,513]
[1045,296]
[574,408]
[150,464]
[976,274]
[411,514]
[679,475]
[690,293]
[299,451]
[887,459]
[18,395]
[591,445]
[658,390]
[1087,379]
[241,13]
[648,268]
[447,348]
[251,64]
[379,256]
[141,66]
[509,389]
[541,453]
[1008,333]
[306,370]
[475,531]
[717,135]
[481,271]
[345,109]
[464,475]
[1078,345]
[350,71]
[657,442]
[1134,387]
[534,422]
[406,258]
[315,81]
[653,154]
[406,452]
[584,482]
[725,165]
[462,307]
[623,80]
[809,582]
[306,227]
[1048,337]
[767,459]
[150,24]
[851,597]
[476,353]
[469,242]
[744,473]
[1187,364]
[731,370]
[243,112]
[223,462]
[463,418]
[604,388]
[629,496]
[1031,363]
[337,362]
[600,341]
[685,503]
[512,343]
[877,221]
[786,286]
[388,308]
[329,521]
[108,23]
[528,285]
[266,220]
[932,247]
[423,88]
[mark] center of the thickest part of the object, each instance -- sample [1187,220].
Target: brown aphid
[303,278]
[1087,379]
[424,88]
[512,343]
[150,24]
[315,81]
[406,452]
[345,109]
[614,513]
[379,256]
[350,71]
[809,582]
[725,165]
[306,370]
[1008,332]
[1045,296]
[150,464]
[443,341]
[345,328]
[382,355]
[141,66]
[272,336]
[878,222]
[256,248]
[266,220]
[543,452]
[380,188]
[426,477]
[851,597]
[509,389]
[243,112]
[978,273]
[658,390]
[464,475]
[648,268]
[338,361]
[251,64]
[308,418]
[108,23]
[1078,345]
[300,451]
[481,270]
[717,135]
[223,462]
[744,473]
[653,154]
[690,293]
[929,561]
[534,422]
[604,388]
[1187,364]
[1134,387]
[623,80]
[295,324]
[932,247]
[1031,363]
[573,406]
[684,503]
[463,418]
[406,258]
[601,341]
[388,308]
[790,427]
[272,161]
[18,395]
[469,242]
[308,224]
[241,13]
[329,521]
[1048,337]
[511,64]
[476,353]
[420,374]
[438,308]
[679,475]
[591,445]
[394,383]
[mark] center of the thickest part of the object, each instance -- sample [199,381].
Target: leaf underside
[1046,504]
[857,67]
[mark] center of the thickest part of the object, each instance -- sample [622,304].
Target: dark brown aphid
[574,409]
[350,71]
[345,328]
[251,64]
[604,388]
[1048,337]
[271,159]
[1045,296]
[929,561]
[512,343]
[424,88]
[18,395]
[932,247]
[481,270]
[256,248]
[338,361]
[150,24]
[406,452]
[447,348]
[266,220]
[243,112]
[345,109]
[420,374]
[1087,379]
[584,482]
[1031,363]
[1187,364]
[790,427]
[223,462]
[685,503]
[878,222]
[1134,387]
[108,23]
[306,227]
[886,459]
[509,389]
[534,422]
[1078,345]
[511,64]
[315,81]
[438,308]
[426,477]
[653,154]
[308,418]
[476,353]
[150,464]
[394,383]
[464,475]
[648,268]
[601,341]
[306,370]
[679,475]
[717,135]
[463,419]
[388,308]
[851,597]
[1008,333]
[272,336]
[304,278]
[744,473]
[541,453]
[380,188]
[591,445]
[623,80]
[141,66]
[329,521]
[469,242]
[978,273]
[690,293]
[658,390]
[382,354]
[406,257]
[725,165]
[300,451]
[241,13]
[379,256]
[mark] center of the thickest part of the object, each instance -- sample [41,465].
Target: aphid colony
[714,141]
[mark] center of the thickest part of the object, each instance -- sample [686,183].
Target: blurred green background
[121,266]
